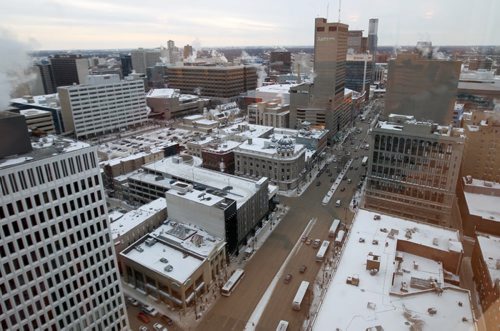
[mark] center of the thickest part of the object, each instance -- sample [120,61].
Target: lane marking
[261,306]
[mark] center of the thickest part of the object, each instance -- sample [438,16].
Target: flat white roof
[33,112]
[246,130]
[266,146]
[276,88]
[162,92]
[204,121]
[371,304]
[182,246]
[490,247]
[242,189]
[134,218]
[482,205]
[223,146]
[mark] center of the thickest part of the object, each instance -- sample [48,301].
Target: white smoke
[14,66]
[261,74]
[196,45]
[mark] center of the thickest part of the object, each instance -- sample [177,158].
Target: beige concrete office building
[38,119]
[413,169]
[271,113]
[217,82]
[100,108]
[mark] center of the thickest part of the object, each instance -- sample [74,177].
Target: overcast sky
[90,24]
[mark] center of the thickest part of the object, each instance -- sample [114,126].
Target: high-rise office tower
[413,169]
[373,38]
[188,51]
[69,70]
[47,77]
[422,87]
[280,62]
[144,58]
[324,103]
[58,265]
[330,51]
[355,41]
[126,64]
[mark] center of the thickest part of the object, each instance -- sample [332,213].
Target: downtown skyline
[112,24]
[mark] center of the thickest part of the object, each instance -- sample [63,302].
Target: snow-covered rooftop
[482,198]
[246,130]
[181,246]
[276,88]
[46,101]
[223,146]
[490,247]
[266,146]
[130,220]
[241,189]
[45,147]
[375,301]
[34,112]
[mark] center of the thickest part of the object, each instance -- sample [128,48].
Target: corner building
[57,259]
[413,170]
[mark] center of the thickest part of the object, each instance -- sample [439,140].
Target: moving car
[287,279]
[132,301]
[342,189]
[302,268]
[167,320]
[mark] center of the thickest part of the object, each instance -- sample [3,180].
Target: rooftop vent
[435,241]
[163,260]
[376,217]
[150,242]
[168,268]
[139,249]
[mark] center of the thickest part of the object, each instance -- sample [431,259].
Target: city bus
[299,297]
[231,283]
[340,238]
[364,162]
[334,228]
[282,326]
[322,251]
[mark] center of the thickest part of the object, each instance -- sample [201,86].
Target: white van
[338,203]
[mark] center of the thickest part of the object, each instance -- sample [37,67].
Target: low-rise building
[282,161]
[485,263]
[254,198]
[47,102]
[128,227]
[170,103]
[219,156]
[174,264]
[271,113]
[38,119]
[478,201]
[389,262]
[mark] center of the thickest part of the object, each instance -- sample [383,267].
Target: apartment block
[217,82]
[107,105]
[58,264]
[413,169]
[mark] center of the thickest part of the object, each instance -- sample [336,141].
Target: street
[233,312]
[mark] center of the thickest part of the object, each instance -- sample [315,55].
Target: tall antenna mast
[327,9]
[340,5]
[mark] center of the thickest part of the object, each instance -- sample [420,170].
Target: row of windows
[413,146]
[32,177]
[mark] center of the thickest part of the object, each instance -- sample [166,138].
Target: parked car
[143,328]
[132,301]
[287,279]
[304,238]
[143,317]
[302,268]
[308,241]
[316,243]
[150,310]
[342,189]
[159,327]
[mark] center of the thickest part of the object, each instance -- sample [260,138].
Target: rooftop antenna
[340,6]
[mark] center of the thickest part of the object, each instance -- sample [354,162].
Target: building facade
[170,103]
[37,119]
[100,108]
[482,146]
[175,264]
[421,87]
[58,264]
[413,170]
[485,263]
[271,113]
[359,72]
[282,161]
[144,58]
[217,82]
[69,70]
